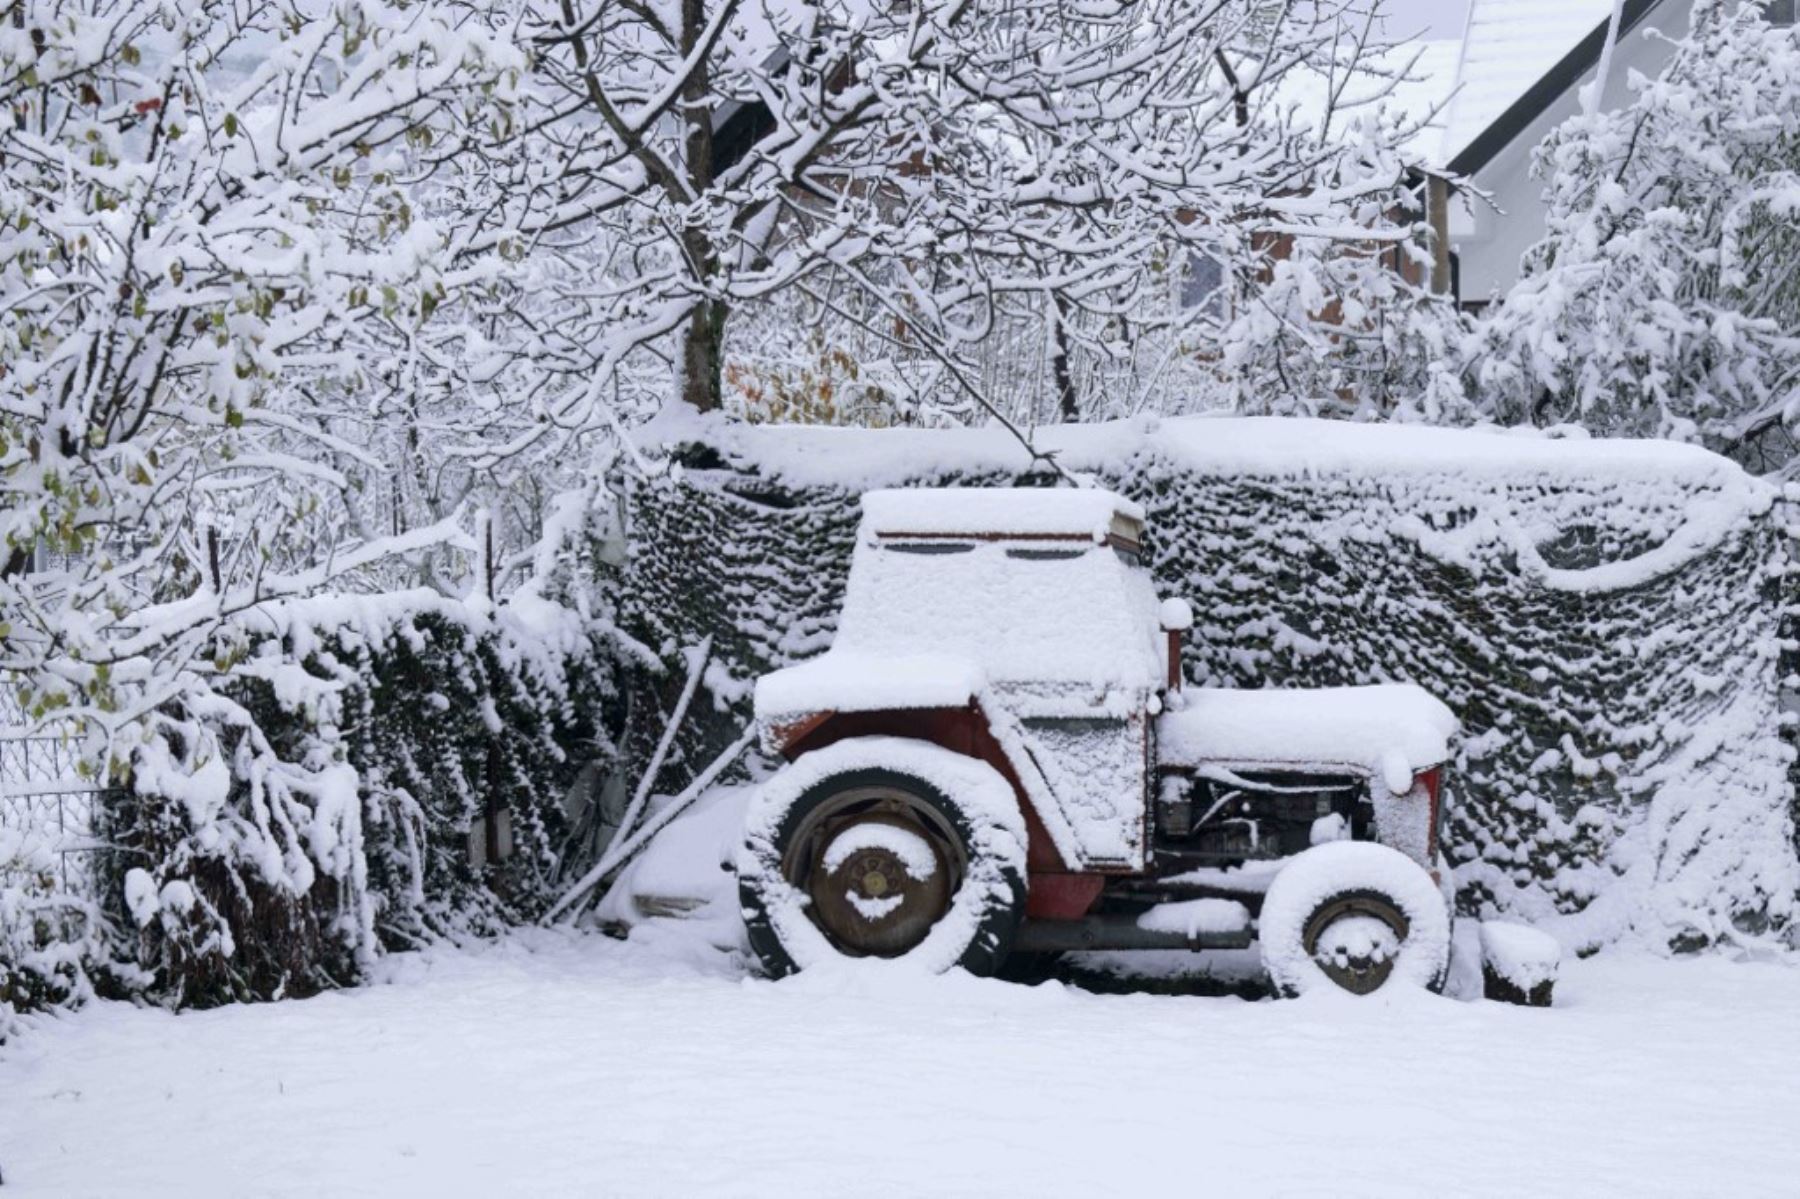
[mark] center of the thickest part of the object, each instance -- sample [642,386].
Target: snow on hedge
[371,771]
[1602,616]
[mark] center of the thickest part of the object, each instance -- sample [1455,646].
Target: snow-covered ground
[568,1065]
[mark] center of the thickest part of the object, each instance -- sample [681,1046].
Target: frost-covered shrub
[373,773]
[53,944]
[1664,297]
[466,732]
[1604,617]
[239,869]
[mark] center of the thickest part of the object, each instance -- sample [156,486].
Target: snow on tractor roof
[1001,511]
[1393,728]
[976,598]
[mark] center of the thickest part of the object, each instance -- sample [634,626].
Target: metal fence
[43,794]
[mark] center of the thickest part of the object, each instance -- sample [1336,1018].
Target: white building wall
[1488,243]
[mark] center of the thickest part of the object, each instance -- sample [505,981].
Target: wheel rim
[1355,940]
[873,893]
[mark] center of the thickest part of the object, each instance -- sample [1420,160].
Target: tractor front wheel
[1356,916]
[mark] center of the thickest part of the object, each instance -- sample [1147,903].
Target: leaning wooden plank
[620,854]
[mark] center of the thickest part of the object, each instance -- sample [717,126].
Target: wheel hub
[1356,939]
[876,900]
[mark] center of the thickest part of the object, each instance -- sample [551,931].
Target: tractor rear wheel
[846,859]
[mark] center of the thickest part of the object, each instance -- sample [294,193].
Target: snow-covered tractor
[997,756]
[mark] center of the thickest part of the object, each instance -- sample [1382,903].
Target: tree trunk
[1067,410]
[702,356]
[703,349]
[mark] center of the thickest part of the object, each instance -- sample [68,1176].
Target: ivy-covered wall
[1605,619]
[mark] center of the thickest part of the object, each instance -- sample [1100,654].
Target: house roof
[1425,93]
[1518,57]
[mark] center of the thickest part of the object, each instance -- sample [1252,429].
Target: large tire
[885,796]
[1356,916]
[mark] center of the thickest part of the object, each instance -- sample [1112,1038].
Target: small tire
[1354,881]
[962,803]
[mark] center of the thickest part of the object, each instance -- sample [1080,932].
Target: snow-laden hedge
[1603,616]
[341,790]
[54,947]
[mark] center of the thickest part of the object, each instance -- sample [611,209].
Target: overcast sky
[1439,18]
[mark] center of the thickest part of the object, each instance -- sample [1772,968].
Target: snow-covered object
[686,871]
[1387,733]
[1048,629]
[1191,917]
[937,628]
[849,680]
[909,849]
[1390,731]
[1329,828]
[1602,615]
[1327,871]
[1083,765]
[985,800]
[1525,960]
[1032,512]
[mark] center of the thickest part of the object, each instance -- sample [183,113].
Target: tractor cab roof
[953,591]
[1002,514]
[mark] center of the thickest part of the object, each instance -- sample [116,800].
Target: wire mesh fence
[43,795]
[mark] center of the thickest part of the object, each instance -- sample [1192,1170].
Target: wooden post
[1437,215]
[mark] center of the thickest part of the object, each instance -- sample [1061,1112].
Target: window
[1781,12]
[930,547]
[1202,285]
[1037,555]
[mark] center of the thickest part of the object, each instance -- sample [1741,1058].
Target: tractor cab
[1018,625]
